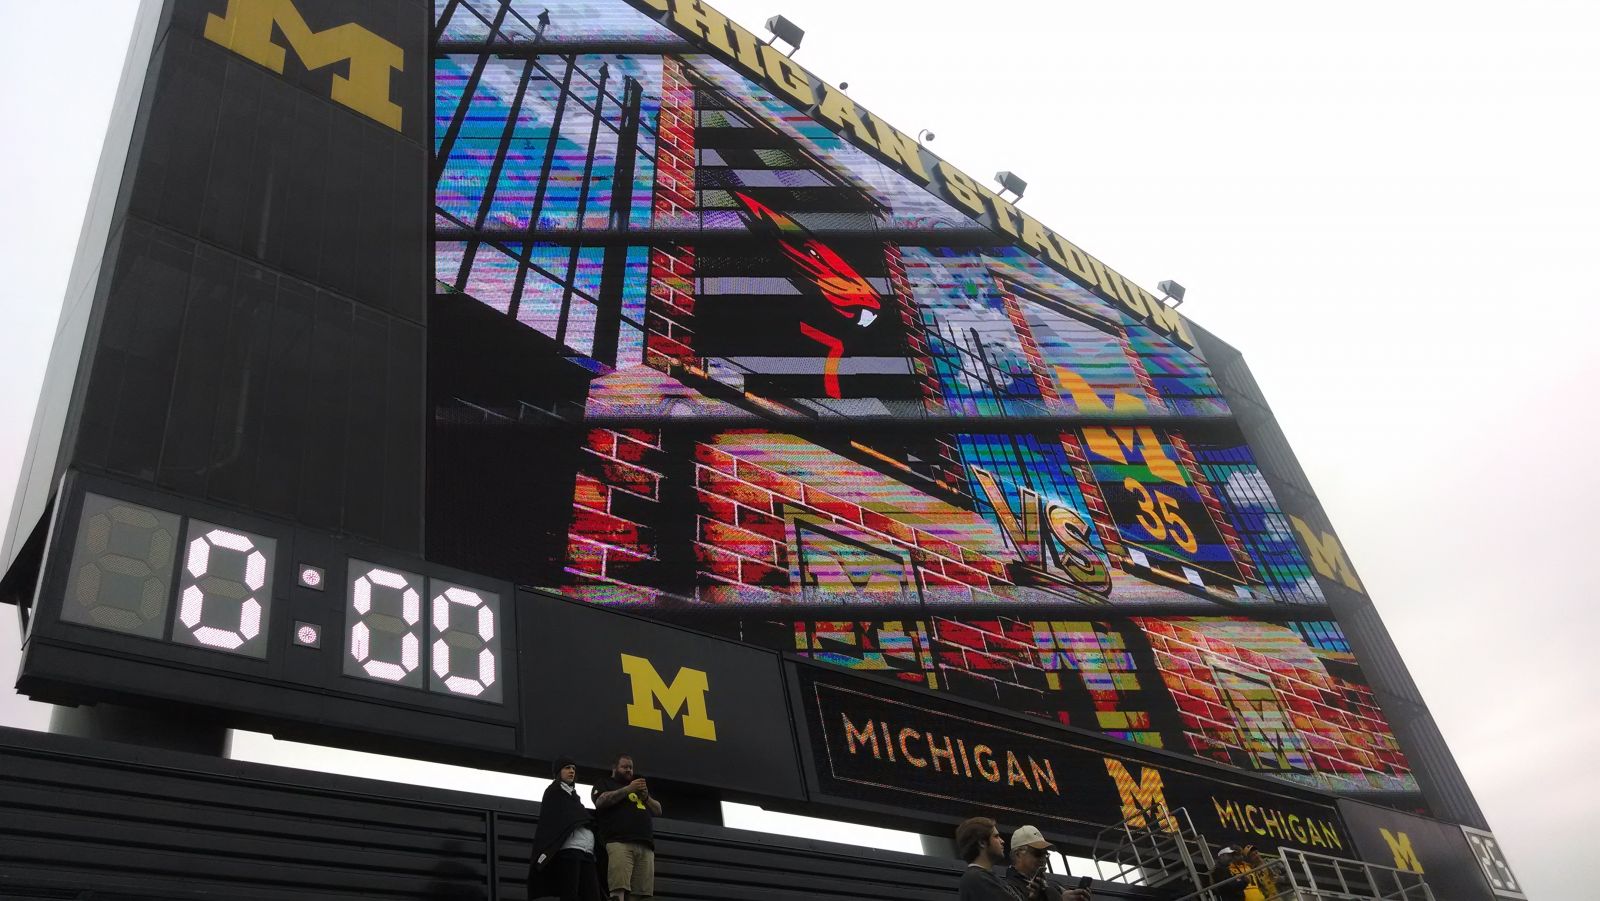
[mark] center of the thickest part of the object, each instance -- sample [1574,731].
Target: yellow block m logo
[246,29]
[1142,800]
[687,693]
[1327,554]
[1404,857]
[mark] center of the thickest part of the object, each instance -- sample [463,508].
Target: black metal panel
[293,690]
[136,823]
[918,756]
[267,165]
[1389,838]
[246,322]
[684,705]
[219,378]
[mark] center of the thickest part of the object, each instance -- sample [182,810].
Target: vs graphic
[1050,537]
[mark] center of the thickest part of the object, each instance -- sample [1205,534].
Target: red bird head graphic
[852,297]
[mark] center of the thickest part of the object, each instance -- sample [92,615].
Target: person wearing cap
[1026,875]
[563,844]
[1240,875]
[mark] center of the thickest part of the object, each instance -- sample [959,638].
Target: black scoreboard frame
[310,501]
[273,691]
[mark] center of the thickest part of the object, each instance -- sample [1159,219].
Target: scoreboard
[498,381]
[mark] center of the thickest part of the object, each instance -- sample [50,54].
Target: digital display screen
[906,749]
[128,574]
[712,361]
[698,356]
[121,571]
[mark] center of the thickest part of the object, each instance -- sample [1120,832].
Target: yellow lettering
[838,109]
[1331,835]
[962,188]
[1296,829]
[905,752]
[246,28]
[949,753]
[1014,772]
[686,694]
[1274,821]
[1142,797]
[705,21]
[1035,237]
[1004,213]
[899,147]
[1249,817]
[1166,319]
[1405,857]
[1111,285]
[788,77]
[1047,238]
[1227,814]
[1316,838]
[748,47]
[1084,563]
[1327,554]
[1041,775]
[983,754]
[1002,507]
[862,737]
[1076,261]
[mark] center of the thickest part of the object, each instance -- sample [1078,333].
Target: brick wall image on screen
[693,354]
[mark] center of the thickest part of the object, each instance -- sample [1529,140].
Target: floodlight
[786,31]
[924,136]
[1171,290]
[1010,182]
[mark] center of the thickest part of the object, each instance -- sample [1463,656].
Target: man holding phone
[1027,875]
[626,814]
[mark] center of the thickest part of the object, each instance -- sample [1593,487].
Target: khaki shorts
[632,867]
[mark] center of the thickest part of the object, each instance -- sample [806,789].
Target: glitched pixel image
[709,361]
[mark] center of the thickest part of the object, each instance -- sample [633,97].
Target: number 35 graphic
[1165,521]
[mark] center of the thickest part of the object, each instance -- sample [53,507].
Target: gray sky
[1391,208]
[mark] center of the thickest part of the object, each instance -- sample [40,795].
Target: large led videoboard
[713,344]
[438,356]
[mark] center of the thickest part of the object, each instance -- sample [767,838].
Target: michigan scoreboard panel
[414,347]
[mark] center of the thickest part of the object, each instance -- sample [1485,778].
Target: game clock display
[164,580]
[251,623]
[122,577]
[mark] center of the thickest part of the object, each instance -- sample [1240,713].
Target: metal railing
[1315,877]
[1271,868]
[1156,847]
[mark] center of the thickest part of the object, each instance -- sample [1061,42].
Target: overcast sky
[1391,208]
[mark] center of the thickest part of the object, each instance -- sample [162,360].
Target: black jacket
[560,812]
[1019,885]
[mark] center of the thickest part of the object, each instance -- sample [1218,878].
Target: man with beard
[627,815]
[563,844]
[1026,875]
[979,843]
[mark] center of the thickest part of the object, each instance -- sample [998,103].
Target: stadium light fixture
[1171,290]
[1010,182]
[924,136]
[786,31]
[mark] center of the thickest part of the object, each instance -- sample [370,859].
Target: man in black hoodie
[563,844]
